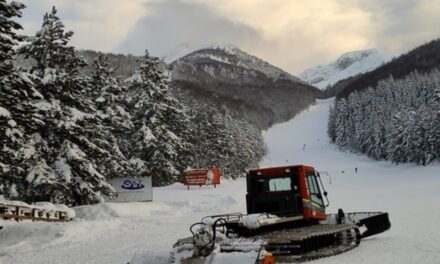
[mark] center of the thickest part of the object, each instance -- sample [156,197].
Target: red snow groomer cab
[293,190]
[202,176]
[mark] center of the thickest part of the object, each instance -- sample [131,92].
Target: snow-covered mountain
[347,65]
[241,84]
[230,54]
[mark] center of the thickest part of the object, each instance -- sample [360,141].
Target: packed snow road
[145,232]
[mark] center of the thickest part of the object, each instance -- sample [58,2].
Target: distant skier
[304,147]
[356,170]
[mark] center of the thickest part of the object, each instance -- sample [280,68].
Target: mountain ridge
[234,55]
[241,84]
[347,65]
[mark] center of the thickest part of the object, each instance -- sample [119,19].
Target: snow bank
[21,235]
[17,203]
[141,209]
[70,213]
[46,206]
[101,211]
[160,256]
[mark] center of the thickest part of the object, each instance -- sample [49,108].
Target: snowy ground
[144,232]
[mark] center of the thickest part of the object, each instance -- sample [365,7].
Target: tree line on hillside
[64,134]
[398,120]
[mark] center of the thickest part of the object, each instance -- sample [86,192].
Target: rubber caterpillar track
[321,241]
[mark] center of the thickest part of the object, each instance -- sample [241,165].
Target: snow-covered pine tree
[331,125]
[434,131]
[212,140]
[109,97]
[68,140]
[16,91]
[353,119]
[247,147]
[18,115]
[224,142]
[8,36]
[358,125]
[51,53]
[342,113]
[160,140]
[395,138]
[10,138]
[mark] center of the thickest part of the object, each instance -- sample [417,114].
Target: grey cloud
[170,24]
[401,25]
[388,7]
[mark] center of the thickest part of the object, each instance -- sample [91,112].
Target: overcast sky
[291,34]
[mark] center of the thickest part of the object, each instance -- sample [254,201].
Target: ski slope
[144,232]
[409,193]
